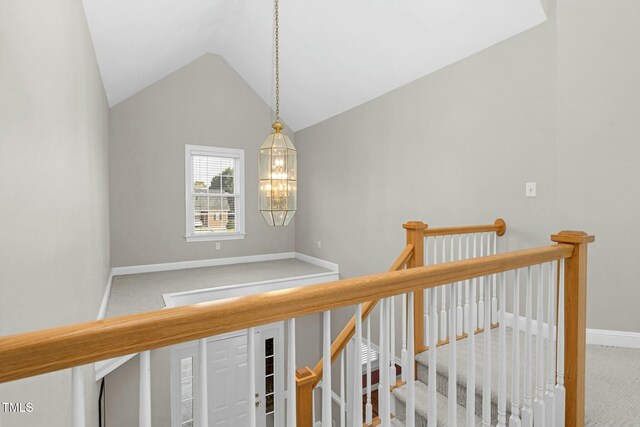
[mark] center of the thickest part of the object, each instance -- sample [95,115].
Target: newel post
[575,323]
[305,378]
[415,237]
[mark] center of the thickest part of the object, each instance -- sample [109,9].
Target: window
[186,392]
[184,383]
[214,193]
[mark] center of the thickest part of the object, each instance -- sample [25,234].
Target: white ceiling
[335,54]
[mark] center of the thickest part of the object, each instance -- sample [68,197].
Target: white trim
[317,261]
[195,296]
[239,181]
[604,337]
[105,297]
[613,338]
[182,265]
[105,367]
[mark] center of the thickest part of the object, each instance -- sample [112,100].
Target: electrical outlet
[530,189]
[218,246]
[319,244]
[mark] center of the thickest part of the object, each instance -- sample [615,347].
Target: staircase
[442,380]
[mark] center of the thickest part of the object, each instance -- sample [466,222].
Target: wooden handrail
[347,332]
[499,227]
[39,352]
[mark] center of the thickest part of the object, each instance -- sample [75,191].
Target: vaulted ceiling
[335,54]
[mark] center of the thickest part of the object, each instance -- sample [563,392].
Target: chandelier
[278,163]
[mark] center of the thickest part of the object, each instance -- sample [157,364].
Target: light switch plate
[530,190]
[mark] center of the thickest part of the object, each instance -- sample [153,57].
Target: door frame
[190,349]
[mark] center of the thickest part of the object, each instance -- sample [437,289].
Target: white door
[228,379]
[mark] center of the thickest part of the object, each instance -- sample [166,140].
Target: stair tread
[442,365]
[422,399]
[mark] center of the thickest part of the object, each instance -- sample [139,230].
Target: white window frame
[205,150]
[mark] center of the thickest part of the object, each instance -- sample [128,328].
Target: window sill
[213,238]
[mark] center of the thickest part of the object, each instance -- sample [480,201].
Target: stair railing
[564,265]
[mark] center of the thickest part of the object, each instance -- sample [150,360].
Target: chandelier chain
[277,30]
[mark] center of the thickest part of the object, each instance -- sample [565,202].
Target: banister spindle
[393,374]
[452,400]
[527,412]
[77,397]
[443,296]
[549,399]
[560,391]
[471,360]
[326,369]
[145,389]
[514,419]
[251,368]
[459,309]
[403,352]
[502,354]
[474,293]
[426,294]
[538,403]
[494,296]
[411,388]
[357,369]
[432,403]
[291,372]
[467,297]
[481,288]
[342,393]
[202,417]
[384,410]
[486,365]
[369,406]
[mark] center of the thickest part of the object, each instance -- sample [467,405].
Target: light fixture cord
[277,24]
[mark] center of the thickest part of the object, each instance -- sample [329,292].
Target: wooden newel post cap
[305,375]
[414,225]
[573,237]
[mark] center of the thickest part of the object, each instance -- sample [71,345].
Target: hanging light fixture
[278,164]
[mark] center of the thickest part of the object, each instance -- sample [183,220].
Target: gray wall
[557,105]
[54,233]
[203,103]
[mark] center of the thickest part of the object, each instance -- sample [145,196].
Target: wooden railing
[35,353]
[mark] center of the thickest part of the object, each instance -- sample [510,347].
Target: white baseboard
[613,338]
[594,336]
[317,261]
[182,265]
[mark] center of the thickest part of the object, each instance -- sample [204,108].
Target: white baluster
[369,406]
[145,389]
[560,392]
[527,412]
[291,368]
[452,400]
[77,397]
[202,419]
[357,369]
[538,403]
[459,309]
[502,354]
[411,388]
[384,407]
[326,369]
[474,294]
[393,373]
[481,289]
[425,292]
[432,406]
[549,399]
[494,297]
[403,352]
[251,368]
[486,366]
[471,358]
[443,295]
[467,298]
[342,395]
[514,419]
